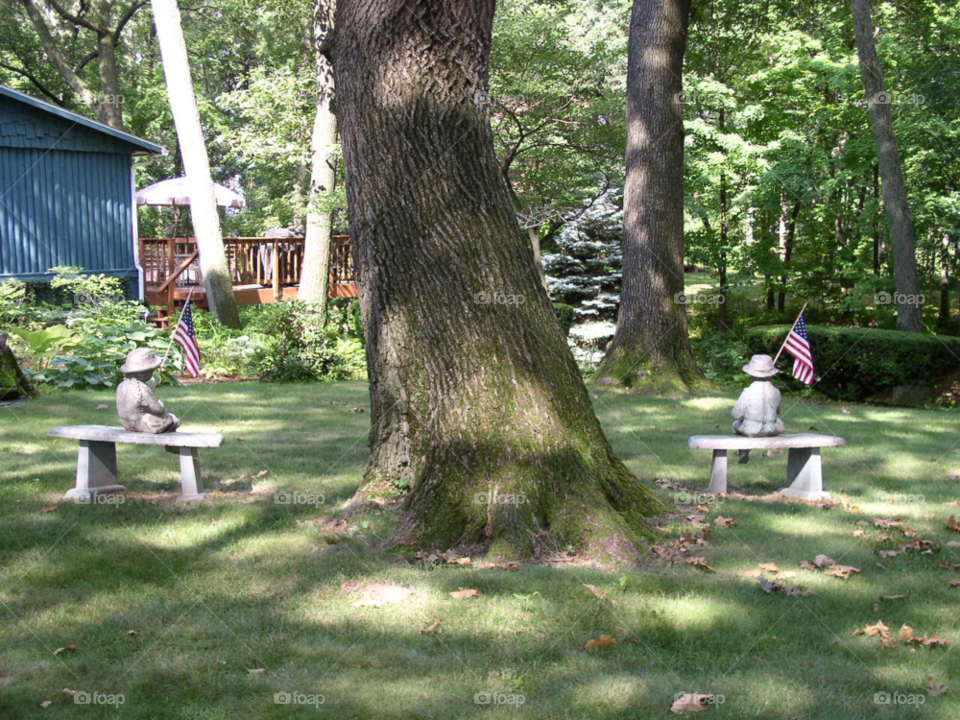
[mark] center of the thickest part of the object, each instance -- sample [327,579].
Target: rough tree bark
[651,340]
[895,205]
[203,204]
[315,278]
[474,392]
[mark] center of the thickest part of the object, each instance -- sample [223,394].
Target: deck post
[277,293]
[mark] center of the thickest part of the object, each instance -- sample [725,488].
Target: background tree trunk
[203,204]
[474,392]
[315,278]
[651,334]
[895,205]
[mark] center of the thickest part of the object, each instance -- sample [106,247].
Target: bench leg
[805,475]
[96,471]
[191,482]
[718,473]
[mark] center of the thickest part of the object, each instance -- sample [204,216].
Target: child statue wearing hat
[139,408]
[756,413]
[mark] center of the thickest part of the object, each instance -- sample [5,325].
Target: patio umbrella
[175,192]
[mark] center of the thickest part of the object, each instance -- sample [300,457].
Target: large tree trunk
[203,204]
[315,278]
[651,338]
[896,208]
[474,392]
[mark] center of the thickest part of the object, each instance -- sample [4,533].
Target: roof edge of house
[146,147]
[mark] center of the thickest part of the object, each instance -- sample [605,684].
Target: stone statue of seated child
[139,408]
[756,413]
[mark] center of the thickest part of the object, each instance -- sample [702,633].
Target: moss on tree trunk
[476,401]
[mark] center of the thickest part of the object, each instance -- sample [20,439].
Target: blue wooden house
[66,192]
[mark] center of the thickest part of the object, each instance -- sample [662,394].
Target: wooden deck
[171,270]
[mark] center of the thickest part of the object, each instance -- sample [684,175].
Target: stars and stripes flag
[798,345]
[186,338]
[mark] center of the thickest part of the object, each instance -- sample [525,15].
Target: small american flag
[798,345]
[187,339]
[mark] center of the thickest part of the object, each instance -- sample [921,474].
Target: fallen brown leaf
[430,628]
[935,687]
[823,561]
[604,641]
[955,584]
[807,565]
[770,567]
[464,594]
[953,524]
[701,563]
[256,671]
[47,508]
[725,522]
[906,633]
[842,571]
[69,648]
[596,593]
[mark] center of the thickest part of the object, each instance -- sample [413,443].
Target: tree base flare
[528,507]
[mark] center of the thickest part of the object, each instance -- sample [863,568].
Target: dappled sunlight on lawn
[243,581]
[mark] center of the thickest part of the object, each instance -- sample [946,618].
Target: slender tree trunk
[474,392]
[315,280]
[789,230]
[203,204]
[651,339]
[943,318]
[896,207]
[723,316]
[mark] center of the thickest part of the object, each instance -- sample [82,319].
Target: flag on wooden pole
[186,338]
[798,345]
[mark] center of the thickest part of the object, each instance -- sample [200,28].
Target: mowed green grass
[241,582]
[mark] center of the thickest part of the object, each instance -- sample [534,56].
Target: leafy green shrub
[858,363]
[12,296]
[566,315]
[296,347]
[92,357]
[87,289]
[721,357]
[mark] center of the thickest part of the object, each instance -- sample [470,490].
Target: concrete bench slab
[97,458]
[804,466]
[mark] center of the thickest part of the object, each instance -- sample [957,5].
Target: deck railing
[266,262]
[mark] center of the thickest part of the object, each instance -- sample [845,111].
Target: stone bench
[97,460]
[804,469]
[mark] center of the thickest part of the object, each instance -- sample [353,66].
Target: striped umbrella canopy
[176,192]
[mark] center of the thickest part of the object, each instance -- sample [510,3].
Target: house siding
[65,196]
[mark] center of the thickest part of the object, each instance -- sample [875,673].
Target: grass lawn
[241,582]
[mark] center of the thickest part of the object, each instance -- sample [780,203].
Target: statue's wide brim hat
[141,360]
[760,366]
